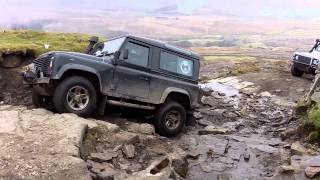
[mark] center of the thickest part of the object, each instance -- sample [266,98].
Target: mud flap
[191,120]
[102,105]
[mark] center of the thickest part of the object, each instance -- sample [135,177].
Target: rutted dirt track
[242,131]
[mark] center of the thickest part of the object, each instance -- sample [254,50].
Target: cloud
[260,8]
[20,11]
[168,8]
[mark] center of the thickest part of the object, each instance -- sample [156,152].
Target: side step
[131,105]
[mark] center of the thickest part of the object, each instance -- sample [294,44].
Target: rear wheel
[170,119]
[75,95]
[296,72]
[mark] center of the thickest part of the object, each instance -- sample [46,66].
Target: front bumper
[30,77]
[40,85]
[306,68]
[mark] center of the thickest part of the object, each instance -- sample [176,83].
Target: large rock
[316,97]
[312,172]
[141,128]
[180,166]
[158,170]
[287,169]
[265,94]
[103,171]
[250,90]
[208,100]
[127,137]
[206,91]
[129,150]
[298,149]
[37,144]
[103,157]
[213,130]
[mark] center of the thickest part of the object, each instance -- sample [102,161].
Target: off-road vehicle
[306,62]
[131,72]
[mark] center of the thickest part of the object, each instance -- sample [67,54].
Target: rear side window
[138,55]
[176,64]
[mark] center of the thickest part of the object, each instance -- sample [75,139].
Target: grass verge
[34,42]
[229,58]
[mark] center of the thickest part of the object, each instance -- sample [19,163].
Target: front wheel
[75,95]
[296,72]
[170,119]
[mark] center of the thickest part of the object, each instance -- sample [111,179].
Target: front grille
[42,65]
[304,60]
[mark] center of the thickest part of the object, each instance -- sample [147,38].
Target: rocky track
[240,133]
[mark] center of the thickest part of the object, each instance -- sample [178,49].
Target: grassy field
[33,42]
[229,58]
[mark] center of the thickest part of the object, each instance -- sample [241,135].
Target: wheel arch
[177,94]
[69,70]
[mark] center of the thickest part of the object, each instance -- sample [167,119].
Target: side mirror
[125,54]
[120,56]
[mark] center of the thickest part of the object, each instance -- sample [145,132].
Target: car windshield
[317,49]
[110,47]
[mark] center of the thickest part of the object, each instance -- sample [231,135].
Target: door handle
[144,78]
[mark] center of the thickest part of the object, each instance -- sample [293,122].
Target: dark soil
[12,89]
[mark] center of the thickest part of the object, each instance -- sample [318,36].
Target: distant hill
[113,23]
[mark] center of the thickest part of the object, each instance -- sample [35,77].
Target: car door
[133,75]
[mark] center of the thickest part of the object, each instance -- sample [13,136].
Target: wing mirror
[121,56]
[125,54]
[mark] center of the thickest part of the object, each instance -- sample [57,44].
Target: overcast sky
[290,9]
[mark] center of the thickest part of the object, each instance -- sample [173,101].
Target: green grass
[244,69]
[314,116]
[253,45]
[309,112]
[33,42]
[229,58]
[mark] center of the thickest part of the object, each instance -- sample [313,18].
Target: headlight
[50,65]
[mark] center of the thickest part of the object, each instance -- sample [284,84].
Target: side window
[138,55]
[176,64]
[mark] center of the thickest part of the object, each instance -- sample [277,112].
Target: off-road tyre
[296,72]
[40,101]
[61,96]
[161,116]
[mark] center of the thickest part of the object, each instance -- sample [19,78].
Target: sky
[60,15]
[15,9]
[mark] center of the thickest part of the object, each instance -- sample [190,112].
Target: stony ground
[36,144]
[245,129]
[237,135]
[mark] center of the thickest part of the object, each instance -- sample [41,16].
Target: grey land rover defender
[132,72]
